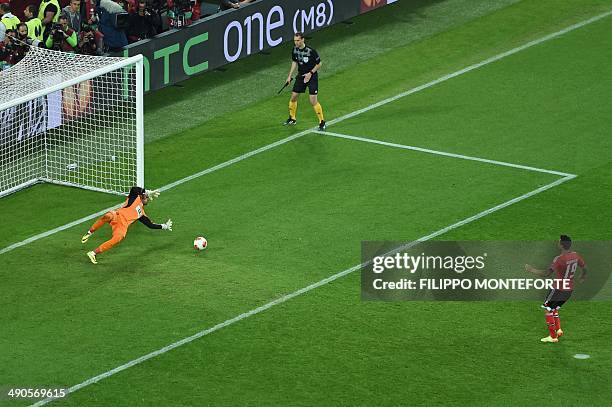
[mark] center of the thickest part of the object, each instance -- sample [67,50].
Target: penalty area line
[294,294]
[445,154]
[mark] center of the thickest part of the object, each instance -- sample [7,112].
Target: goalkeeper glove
[152,194]
[167,225]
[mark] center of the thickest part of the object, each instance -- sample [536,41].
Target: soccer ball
[200,243]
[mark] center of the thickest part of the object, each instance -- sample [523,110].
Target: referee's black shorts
[313,84]
[555,299]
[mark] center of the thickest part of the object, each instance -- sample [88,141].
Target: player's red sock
[550,322]
[557,320]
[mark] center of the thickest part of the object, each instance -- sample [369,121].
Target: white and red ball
[200,243]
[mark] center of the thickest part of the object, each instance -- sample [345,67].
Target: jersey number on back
[139,211]
[571,269]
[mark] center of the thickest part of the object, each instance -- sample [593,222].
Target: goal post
[73,120]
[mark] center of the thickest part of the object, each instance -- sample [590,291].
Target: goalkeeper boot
[290,122]
[85,237]
[322,126]
[549,339]
[92,257]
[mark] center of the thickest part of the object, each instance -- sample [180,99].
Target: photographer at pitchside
[62,37]
[142,23]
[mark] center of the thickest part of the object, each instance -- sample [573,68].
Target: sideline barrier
[225,37]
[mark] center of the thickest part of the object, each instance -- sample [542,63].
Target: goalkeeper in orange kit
[120,219]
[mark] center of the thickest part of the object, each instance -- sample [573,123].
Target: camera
[184,5]
[88,38]
[58,36]
[121,21]
[56,31]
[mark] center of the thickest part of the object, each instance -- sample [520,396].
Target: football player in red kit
[564,266]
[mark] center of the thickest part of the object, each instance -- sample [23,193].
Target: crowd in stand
[93,27]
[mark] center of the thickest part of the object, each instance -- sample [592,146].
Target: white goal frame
[120,63]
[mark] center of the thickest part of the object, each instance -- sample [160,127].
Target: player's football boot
[322,126]
[290,122]
[549,339]
[559,333]
[92,257]
[85,237]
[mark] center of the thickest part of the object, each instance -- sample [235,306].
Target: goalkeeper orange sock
[292,109]
[319,111]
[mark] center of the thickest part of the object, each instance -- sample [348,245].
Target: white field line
[294,294]
[331,122]
[445,154]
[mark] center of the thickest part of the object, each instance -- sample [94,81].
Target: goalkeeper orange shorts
[119,227]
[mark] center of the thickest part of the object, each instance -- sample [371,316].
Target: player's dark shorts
[313,84]
[555,299]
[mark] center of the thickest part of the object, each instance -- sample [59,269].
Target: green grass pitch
[296,214]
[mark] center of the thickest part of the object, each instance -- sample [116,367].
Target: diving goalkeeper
[120,219]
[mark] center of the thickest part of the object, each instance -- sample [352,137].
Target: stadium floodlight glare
[72,119]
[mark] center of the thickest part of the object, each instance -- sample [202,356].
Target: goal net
[71,119]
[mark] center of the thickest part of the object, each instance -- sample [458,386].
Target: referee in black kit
[308,63]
